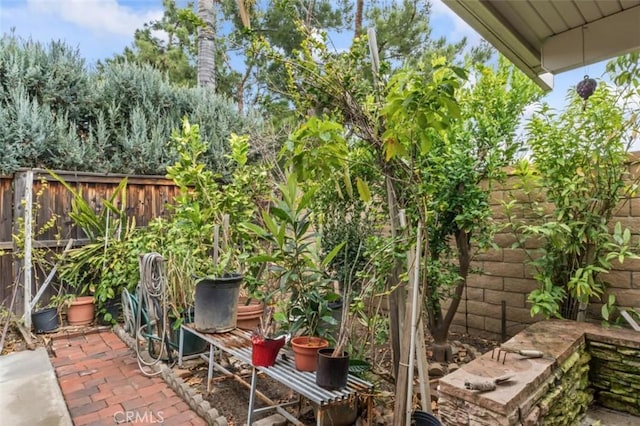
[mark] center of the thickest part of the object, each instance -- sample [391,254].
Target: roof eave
[483,19]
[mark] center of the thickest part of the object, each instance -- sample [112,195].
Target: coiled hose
[153,298]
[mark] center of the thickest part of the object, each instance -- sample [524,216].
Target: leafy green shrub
[579,166]
[55,113]
[303,287]
[108,263]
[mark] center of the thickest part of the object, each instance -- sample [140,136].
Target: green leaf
[363,190]
[329,257]
[357,366]
[392,148]
[605,311]
[254,228]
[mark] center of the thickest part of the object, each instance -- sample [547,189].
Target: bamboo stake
[405,375]
[423,369]
[225,231]
[414,326]
[423,363]
[216,242]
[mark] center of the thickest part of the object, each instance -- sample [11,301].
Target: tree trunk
[240,96]
[358,18]
[207,45]
[310,10]
[440,330]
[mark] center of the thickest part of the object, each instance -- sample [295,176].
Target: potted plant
[265,346]
[80,310]
[293,255]
[216,293]
[333,363]
[207,212]
[251,306]
[46,319]
[98,271]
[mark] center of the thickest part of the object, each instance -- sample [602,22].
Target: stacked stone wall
[570,396]
[581,363]
[615,375]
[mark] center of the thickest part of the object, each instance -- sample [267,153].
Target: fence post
[23,207]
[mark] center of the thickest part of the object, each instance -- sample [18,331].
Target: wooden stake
[405,369]
[26,335]
[415,309]
[216,242]
[28,236]
[423,369]
[9,315]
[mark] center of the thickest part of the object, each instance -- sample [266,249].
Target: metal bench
[238,344]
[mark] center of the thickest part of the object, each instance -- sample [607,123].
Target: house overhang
[544,38]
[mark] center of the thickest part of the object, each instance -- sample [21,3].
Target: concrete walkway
[29,391]
[102,385]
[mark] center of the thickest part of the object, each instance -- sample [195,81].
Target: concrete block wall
[506,275]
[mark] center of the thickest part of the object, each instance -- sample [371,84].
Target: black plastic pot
[422,418]
[113,307]
[332,372]
[45,320]
[192,344]
[216,303]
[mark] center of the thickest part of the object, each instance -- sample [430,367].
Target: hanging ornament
[586,88]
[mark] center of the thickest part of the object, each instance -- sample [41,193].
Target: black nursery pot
[45,320]
[113,307]
[332,372]
[216,303]
[192,344]
[422,418]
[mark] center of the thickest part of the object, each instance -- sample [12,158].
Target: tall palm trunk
[207,45]
[358,19]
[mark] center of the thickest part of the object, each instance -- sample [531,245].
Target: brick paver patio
[102,384]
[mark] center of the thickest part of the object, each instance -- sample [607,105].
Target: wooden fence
[146,198]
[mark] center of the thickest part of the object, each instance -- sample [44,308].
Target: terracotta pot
[305,350]
[81,311]
[249,315]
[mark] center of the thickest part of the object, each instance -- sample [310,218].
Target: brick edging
[189,395]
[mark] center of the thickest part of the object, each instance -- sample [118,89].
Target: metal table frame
[238,344]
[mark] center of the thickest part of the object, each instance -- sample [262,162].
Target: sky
[102,28]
